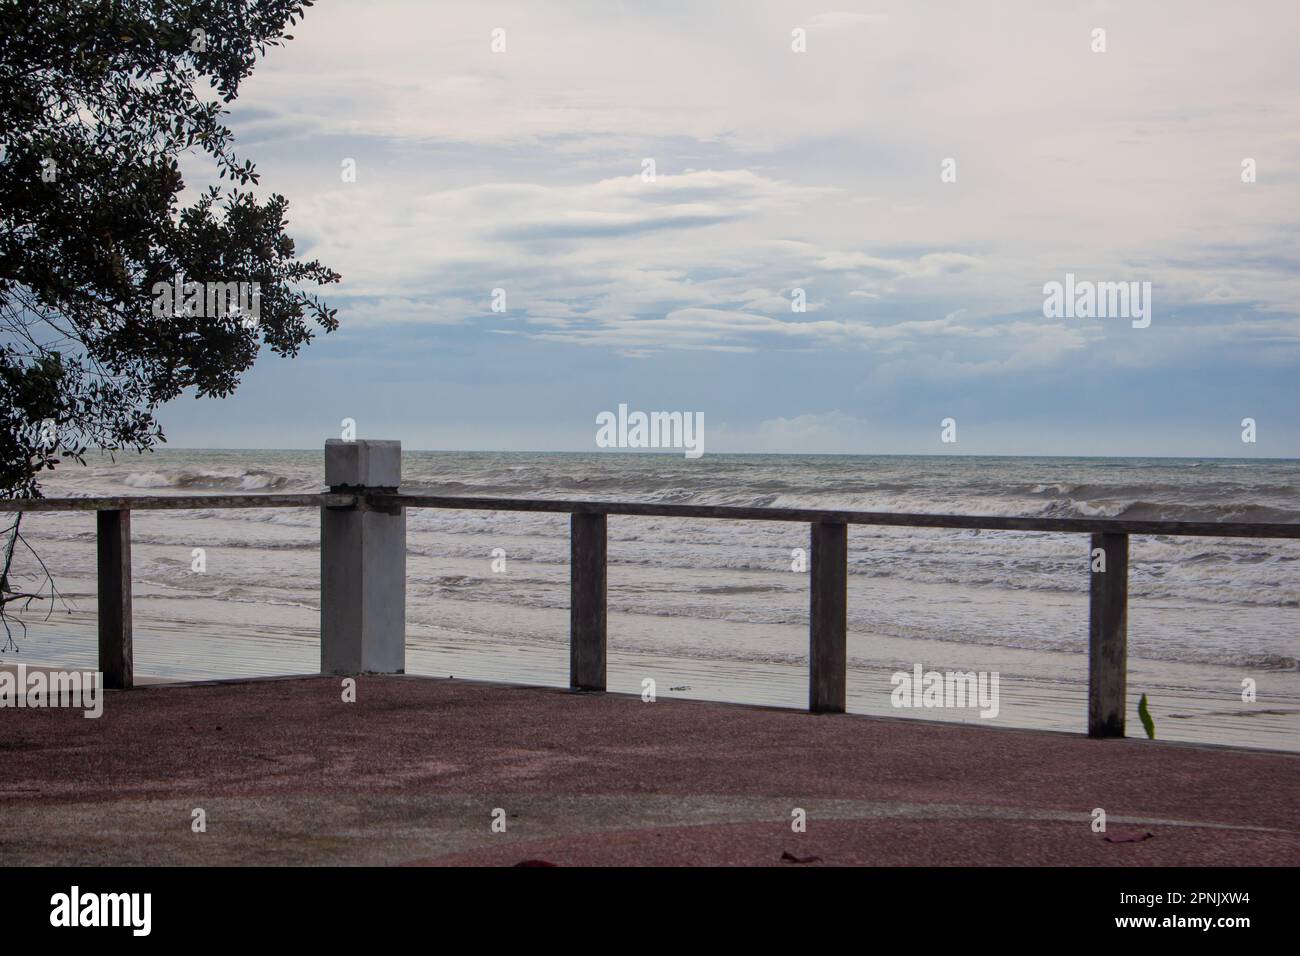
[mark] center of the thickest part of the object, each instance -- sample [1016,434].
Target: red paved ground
[888,843]
[411,771]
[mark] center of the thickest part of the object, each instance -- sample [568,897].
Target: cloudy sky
[777,170]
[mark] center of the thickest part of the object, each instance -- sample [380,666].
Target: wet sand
[178,652]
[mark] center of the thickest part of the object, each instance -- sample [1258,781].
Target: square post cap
[364,463]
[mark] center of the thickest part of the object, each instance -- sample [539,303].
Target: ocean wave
[1194,599]
[1142,510]
[249,480]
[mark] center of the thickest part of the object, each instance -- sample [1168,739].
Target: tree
[98,99]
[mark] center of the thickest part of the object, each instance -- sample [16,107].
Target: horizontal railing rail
[334,499]
[179,502]
[363,570]
[822,516]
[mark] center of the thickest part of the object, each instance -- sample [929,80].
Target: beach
[713,610]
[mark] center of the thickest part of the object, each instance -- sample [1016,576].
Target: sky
[920,170]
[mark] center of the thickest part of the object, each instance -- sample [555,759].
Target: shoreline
[171,651]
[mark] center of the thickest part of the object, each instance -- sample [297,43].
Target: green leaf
[1144,715]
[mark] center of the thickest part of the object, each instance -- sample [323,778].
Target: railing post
[587,611]
[363,563]
[828,618]
[116,653]
[1108,635]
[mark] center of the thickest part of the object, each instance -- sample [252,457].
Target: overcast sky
[776,170]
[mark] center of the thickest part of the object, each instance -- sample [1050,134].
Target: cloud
[842,19]
[775,171]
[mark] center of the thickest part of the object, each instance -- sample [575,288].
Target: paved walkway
[411,773]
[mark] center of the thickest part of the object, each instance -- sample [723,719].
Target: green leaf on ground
[1144,715]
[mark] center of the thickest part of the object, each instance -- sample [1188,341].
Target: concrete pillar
[363,564]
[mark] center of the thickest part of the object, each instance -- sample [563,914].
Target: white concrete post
[363,564]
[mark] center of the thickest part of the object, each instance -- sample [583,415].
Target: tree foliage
[98,100]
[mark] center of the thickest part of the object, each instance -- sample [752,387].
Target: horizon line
[677,454]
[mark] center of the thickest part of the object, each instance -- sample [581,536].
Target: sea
[719,609]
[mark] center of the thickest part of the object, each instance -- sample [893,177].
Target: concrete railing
[363,571]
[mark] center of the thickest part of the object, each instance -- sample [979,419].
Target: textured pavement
[286,772]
